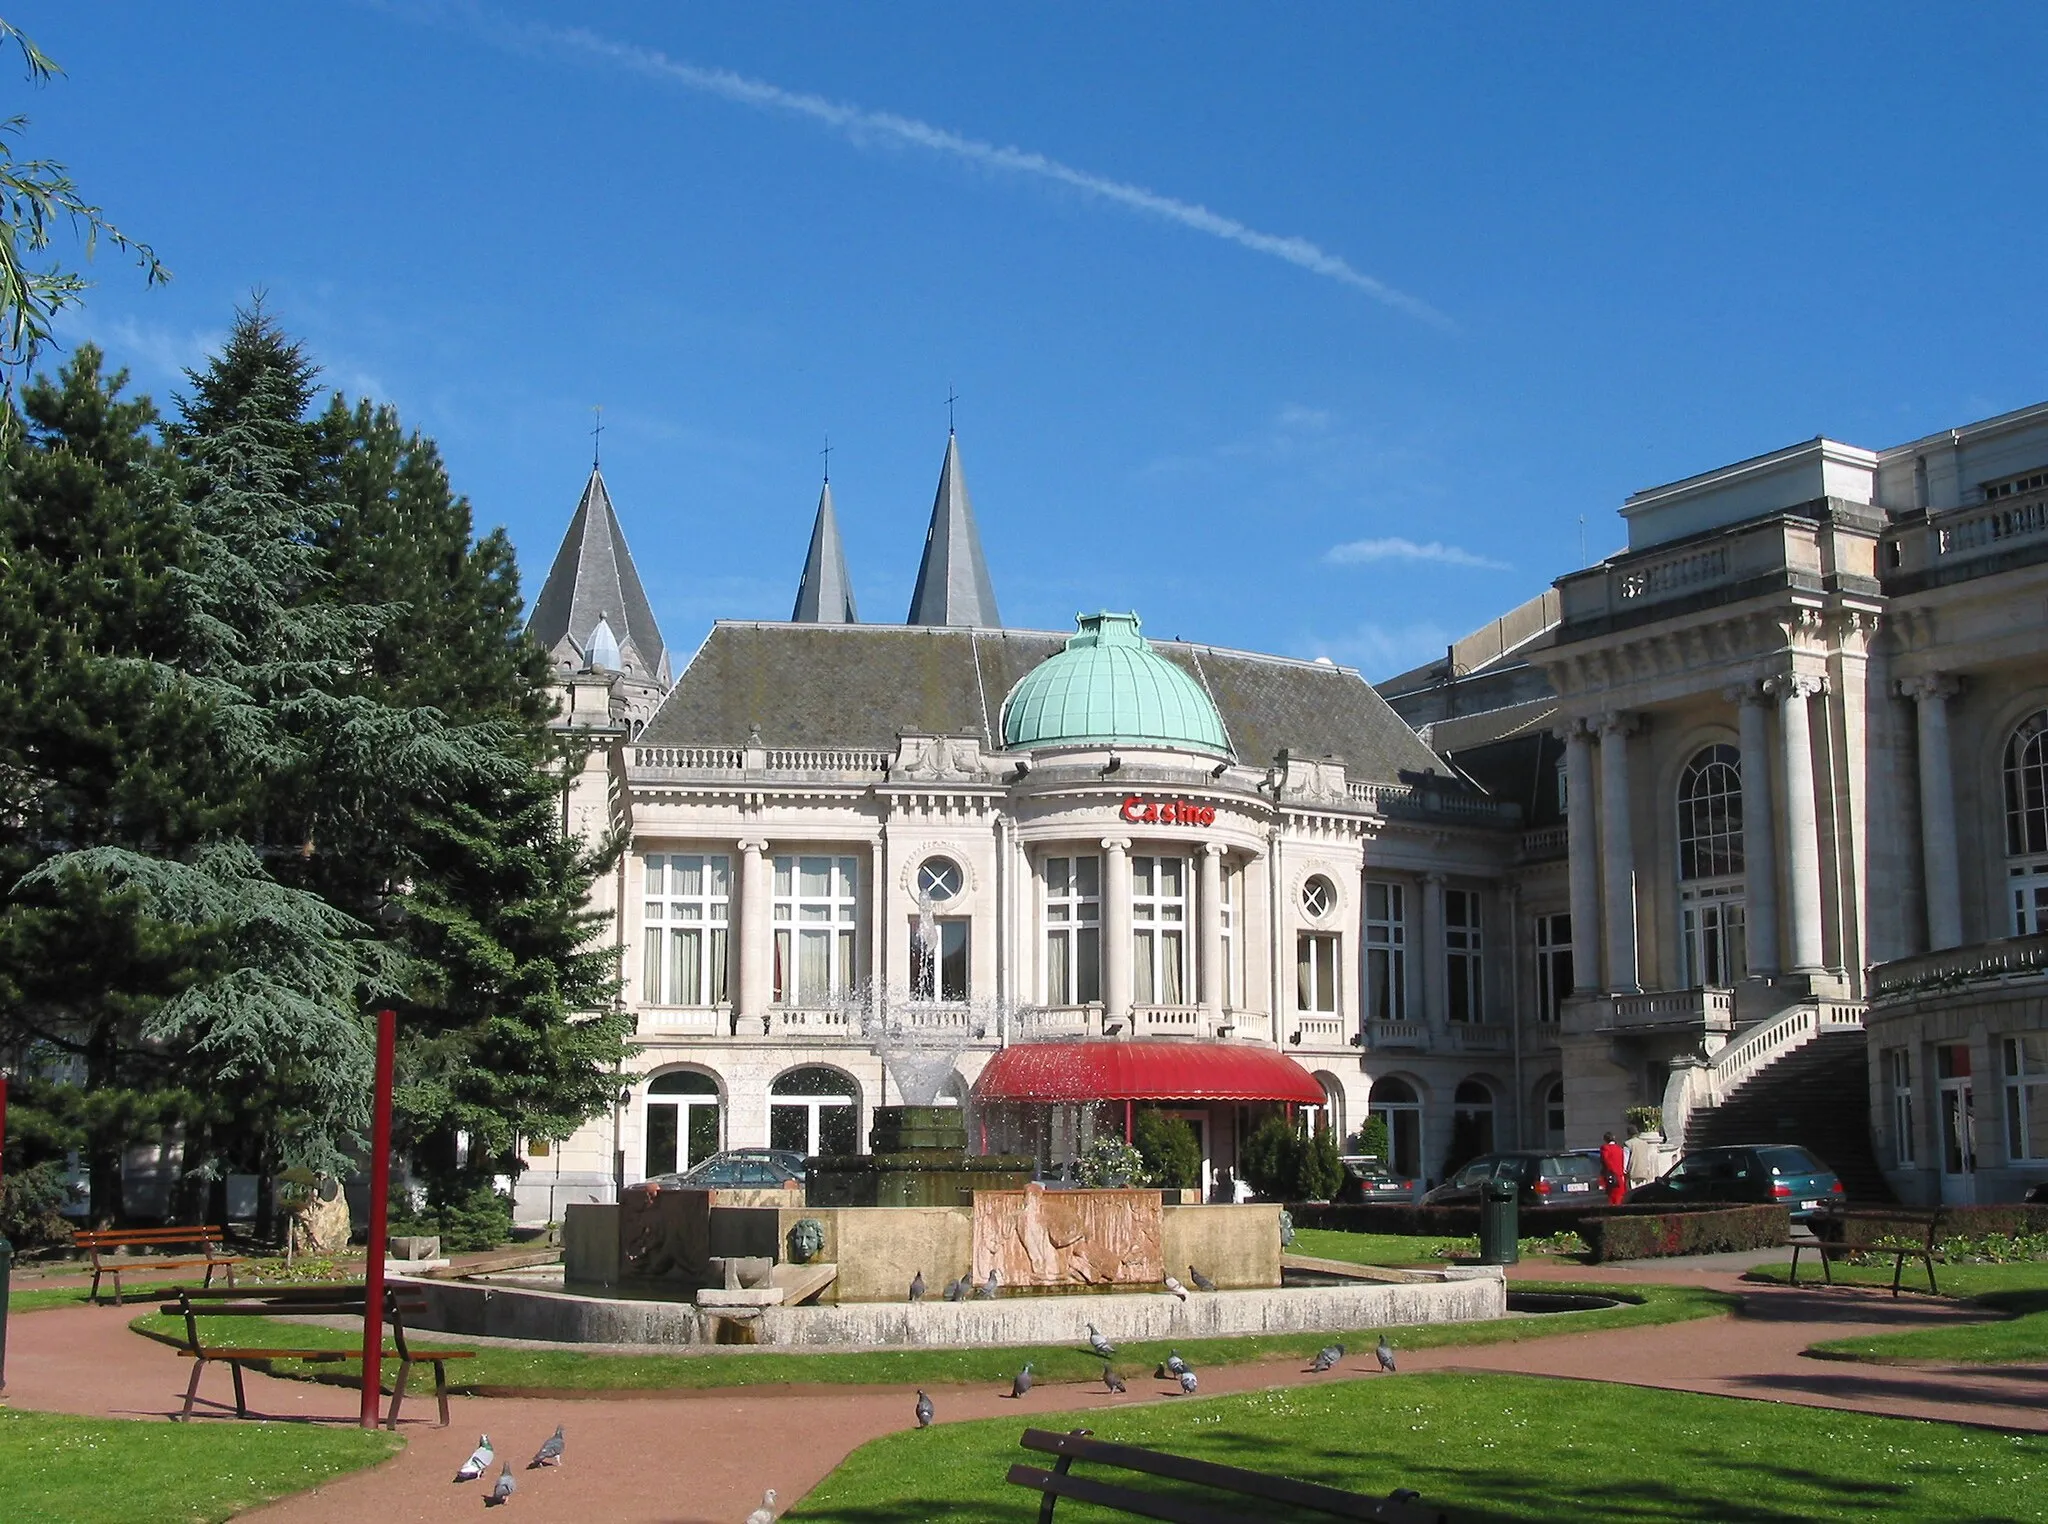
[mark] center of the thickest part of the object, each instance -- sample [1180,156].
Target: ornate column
[1116,928]
[1930,695]
[756,931]
[1617,851]
[1210,904]
[1583,843]
[1434,1000]
[1802,830]
[1759,831]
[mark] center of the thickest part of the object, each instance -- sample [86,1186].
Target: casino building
[1748,822]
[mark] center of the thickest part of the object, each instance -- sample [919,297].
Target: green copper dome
[1109,686]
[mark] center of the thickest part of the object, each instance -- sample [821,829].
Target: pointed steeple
[953,584]
[825,596]
[593,597]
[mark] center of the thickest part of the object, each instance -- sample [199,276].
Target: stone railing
[696,759]
[1696,1086]
[739,761]
[1397,1034]
[1622,588]
[1673,574]
[1954,968]
[1407,801]
[1550,841]
[826,760]
[1046,1021]
[827,1025]
[1467,1037]
[1318,1032]
[1166,1021]
[684,1020]
[1713,1008]
[1967,531]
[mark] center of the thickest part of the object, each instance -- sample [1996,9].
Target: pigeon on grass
[1175,1288]
[479,1460]
[1202,1282]
[1022,1382]
[1100,1345]
[550,1453]
[502,1489]
[1384,1353]
[765,1514]
[1327,1358]
[1112,1380]
[1187,1383]
[924,1409]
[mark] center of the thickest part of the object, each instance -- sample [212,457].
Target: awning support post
[1128,1133]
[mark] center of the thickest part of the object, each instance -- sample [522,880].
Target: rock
[320,1225]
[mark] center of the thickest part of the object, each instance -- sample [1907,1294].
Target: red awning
[1046,1072]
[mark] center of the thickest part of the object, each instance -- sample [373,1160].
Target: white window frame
[1898,1073]
[1464,957]
[1316,960]
[1069,914]
[2025,1077]
[1386,951]
[802,914]
[673,917]
[1555,969]
[952,936]
[1713,933]
[1226,916]
[2025,777]
[1159,932]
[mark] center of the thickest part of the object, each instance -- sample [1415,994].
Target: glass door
[1958,1125]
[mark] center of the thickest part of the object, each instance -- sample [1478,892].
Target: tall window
[1462,955]
[682,1121]
[817,903]
[1553,965]
[2026,1096]
[1471,1122]
[684,929]
[1898,1073]
[938,960]
[1395,1100]
[1710,866]
[814,1111]
[1159,920]
[1073,930]
[1553,1115]
[1315,971]
[1386,953]
[2026,824]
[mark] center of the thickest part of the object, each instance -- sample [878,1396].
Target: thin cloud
[1380,650]
[1394,548]
[861,125]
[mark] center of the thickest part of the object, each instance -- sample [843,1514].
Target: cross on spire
[596,430]
[951,398]
[827,453]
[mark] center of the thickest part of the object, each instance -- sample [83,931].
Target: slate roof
[593,578]
[953,586]
[825,594]
[864,685]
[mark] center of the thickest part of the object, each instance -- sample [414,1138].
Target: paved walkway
[704,1458]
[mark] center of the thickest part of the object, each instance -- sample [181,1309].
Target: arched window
[2026,824]
[1710,864]
[683,1114]
[1553,1114]
[1333,1113]
[814,1111]
[1471,1124]
[1395,1102]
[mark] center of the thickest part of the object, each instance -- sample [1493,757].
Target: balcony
[1968,542]
[683,1021]
[822,764]
[2013,960]
[1673,1011]
[1410,1036]
[1320,1034]
[1721,566]
[1468,1037]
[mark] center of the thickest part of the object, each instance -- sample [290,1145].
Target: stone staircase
[1816,1095]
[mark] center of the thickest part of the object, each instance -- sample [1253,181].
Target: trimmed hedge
[1622,1234]
[1867,1225]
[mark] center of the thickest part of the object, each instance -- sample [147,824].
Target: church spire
[593,597]
[953,586]
[825,595]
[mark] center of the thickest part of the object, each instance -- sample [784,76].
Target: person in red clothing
[1614,1160]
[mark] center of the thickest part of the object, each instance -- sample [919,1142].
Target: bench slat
[1144,1505]
[417,1357]
[1181,1468]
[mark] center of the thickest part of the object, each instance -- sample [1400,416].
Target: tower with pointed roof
[953,586]
[594,620]
[825,595]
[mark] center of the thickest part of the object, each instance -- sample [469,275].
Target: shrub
[1374,1140]
[1268,1158]
[29,1199]
[466,1221]
[1652,1235]
[1645,1119]
[1111,1163]
[1317,1172]
[1173,1159]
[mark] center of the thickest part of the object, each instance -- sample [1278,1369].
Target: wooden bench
[101,1244]
[1858,1232]
[1403,1507]
[305,1301]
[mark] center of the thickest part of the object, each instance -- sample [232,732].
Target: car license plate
[1809,1206]
[1578,1186]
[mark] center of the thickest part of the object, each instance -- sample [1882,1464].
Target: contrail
[856,123]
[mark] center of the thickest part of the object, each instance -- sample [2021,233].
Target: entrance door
[1958,1108]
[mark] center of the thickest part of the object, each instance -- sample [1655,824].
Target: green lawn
[74,1296]
[1501,1447]
[498,1368]
[57,1469]
[1396,1248]
[2014,1299]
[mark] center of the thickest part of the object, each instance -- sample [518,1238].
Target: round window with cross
[1318,897]
[938,879]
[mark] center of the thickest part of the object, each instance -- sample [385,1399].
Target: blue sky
[1310,329]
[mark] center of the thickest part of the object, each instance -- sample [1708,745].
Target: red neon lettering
[1130,809]
[1183,812]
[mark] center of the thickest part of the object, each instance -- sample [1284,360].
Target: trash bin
[1497,1223]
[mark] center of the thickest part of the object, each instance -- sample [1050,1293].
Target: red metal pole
[380,1220]
[1128,1131]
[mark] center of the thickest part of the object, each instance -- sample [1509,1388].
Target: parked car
[1368,1179]
[1765,1172]
[1541,1179]
[2038,1196]
[738,1168]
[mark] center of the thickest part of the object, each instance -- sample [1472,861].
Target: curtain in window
[1171,966]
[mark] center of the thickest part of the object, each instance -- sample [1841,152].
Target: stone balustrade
[2004,961]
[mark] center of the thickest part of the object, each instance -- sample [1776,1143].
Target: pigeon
[1100,1345]
[924,1409]
[1022,1383]
[1187,1382]
[1174,1364]
[1385,1354]
[917,1287]
[502,1489]
[1112,1380]
[479,1460]
[1327,1357]
[986,1291]
[1176,1288]
[550,1452]
[1404,1495]
[765,1514]
[1202,1282]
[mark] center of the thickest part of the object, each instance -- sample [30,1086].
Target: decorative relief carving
[952,759]
[1930,685]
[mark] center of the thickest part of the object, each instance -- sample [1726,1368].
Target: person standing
[1614,1160]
